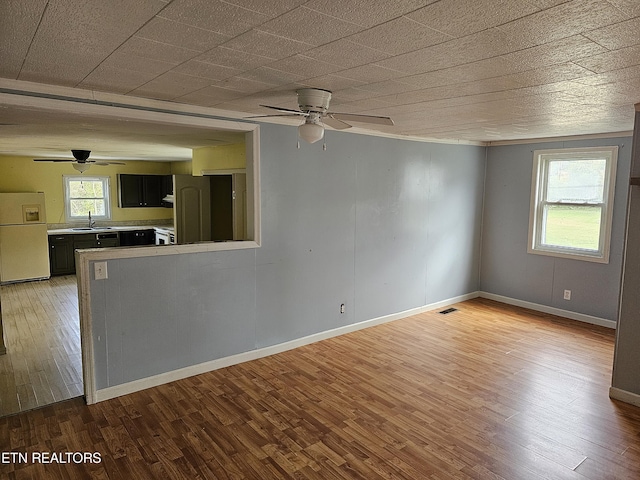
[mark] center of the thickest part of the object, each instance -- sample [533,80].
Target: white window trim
[67,206]
[537,193]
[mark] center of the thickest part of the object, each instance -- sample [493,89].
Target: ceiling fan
[314,106]
[81,162]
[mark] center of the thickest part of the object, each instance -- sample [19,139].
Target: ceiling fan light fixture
[81,167]
[311,131]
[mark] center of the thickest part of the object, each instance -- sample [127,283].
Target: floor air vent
[448,310]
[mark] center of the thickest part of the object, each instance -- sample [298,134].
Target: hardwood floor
[43,363]
[487,392]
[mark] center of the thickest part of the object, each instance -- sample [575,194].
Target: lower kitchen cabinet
[62,248]
[137,237]
[61,255]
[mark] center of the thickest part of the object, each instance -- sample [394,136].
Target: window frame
[106,187]
[539,185]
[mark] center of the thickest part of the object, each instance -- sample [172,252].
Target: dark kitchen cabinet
[137,237]
[61,255]
[62,249]
[142,190]
[96,240]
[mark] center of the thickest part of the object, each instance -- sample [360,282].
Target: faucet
[91,222]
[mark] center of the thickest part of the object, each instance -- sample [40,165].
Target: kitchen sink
[77,229]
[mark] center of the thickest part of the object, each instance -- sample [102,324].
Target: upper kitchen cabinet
[142,190]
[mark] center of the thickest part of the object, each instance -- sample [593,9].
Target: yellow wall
[181,168]
[223,157]
[22,174]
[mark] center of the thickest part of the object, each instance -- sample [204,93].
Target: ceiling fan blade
[281,109]
[106,163]
[335,123]
[53,160]
[282,115]
[353,117]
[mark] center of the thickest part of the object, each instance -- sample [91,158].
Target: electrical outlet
[342,308]
[100,270]
[567,294]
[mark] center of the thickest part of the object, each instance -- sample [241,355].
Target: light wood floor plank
[43,363]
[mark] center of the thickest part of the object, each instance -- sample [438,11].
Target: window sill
[584,257]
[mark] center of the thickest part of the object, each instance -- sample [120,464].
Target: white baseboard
[603,322]
[160,379]
[624,396]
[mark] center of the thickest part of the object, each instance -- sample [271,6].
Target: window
[572,202]
[84,194]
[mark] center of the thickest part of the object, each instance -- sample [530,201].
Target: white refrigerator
[24,245]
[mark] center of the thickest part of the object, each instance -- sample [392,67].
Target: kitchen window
[572,203]
[84,194]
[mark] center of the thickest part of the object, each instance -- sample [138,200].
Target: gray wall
[506,267]
[381,225]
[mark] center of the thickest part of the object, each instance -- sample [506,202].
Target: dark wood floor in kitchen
[487,392]
[43,363]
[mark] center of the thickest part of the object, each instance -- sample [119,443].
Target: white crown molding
[526,141]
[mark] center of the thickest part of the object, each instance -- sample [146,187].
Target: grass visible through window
[572,227]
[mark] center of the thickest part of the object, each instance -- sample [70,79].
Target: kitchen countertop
[120,228]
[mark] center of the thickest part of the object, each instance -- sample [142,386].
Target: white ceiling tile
[206,70]
[630,7]
[103,28]
[272,8]
[233,58]
[459,51]
[270,76]
[170,85]
[567,69]
[618,59]
[387,87]
[351,94]
[126,61]
[164,52]
[345,53]
[209,96]
[550,74]
[331,82]
[618,35]
[55,71]
[461,17]
[244,85]
[309,26]
[267,44]
[19,23]
[612,76]
[360,106]
[564,20]
[400,35]
[366,12]
[115,80]
[214,15]
[559,51]
[178,34]
[490,67]
[304,66]
[370,73]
